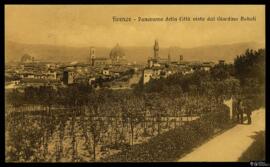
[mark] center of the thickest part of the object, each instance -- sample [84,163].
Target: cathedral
[116,57]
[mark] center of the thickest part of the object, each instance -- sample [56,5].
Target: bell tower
[181,58]
[92,55]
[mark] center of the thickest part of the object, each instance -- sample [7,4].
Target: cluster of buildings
[111,71]
[32,73]
[101,70]
[95,72]
[158,67]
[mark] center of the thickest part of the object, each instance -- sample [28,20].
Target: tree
[251,64]
[95,129]
[132,112]
[221,71]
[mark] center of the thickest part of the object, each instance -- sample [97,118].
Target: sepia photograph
[134,83]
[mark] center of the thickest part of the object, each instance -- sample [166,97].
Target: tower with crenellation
[156,50]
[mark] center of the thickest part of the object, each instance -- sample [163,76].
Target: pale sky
[92,25]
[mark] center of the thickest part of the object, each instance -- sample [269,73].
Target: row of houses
[97,74]
[157,70]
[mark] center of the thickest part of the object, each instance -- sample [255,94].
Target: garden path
[230,145]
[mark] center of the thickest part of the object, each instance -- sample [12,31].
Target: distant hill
[14,51]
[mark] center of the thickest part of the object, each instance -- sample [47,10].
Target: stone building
[68,77]
[147,75]
[101,61]
[153,61]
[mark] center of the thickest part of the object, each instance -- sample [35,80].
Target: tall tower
[92,55]
[180,58]
[156,49]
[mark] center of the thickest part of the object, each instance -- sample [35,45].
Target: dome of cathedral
[26,57]
[117,53]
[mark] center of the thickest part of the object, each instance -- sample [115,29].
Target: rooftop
[34,80]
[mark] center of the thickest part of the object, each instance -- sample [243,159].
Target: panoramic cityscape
[134,94]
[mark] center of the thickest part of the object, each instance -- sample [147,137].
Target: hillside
[14,52]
